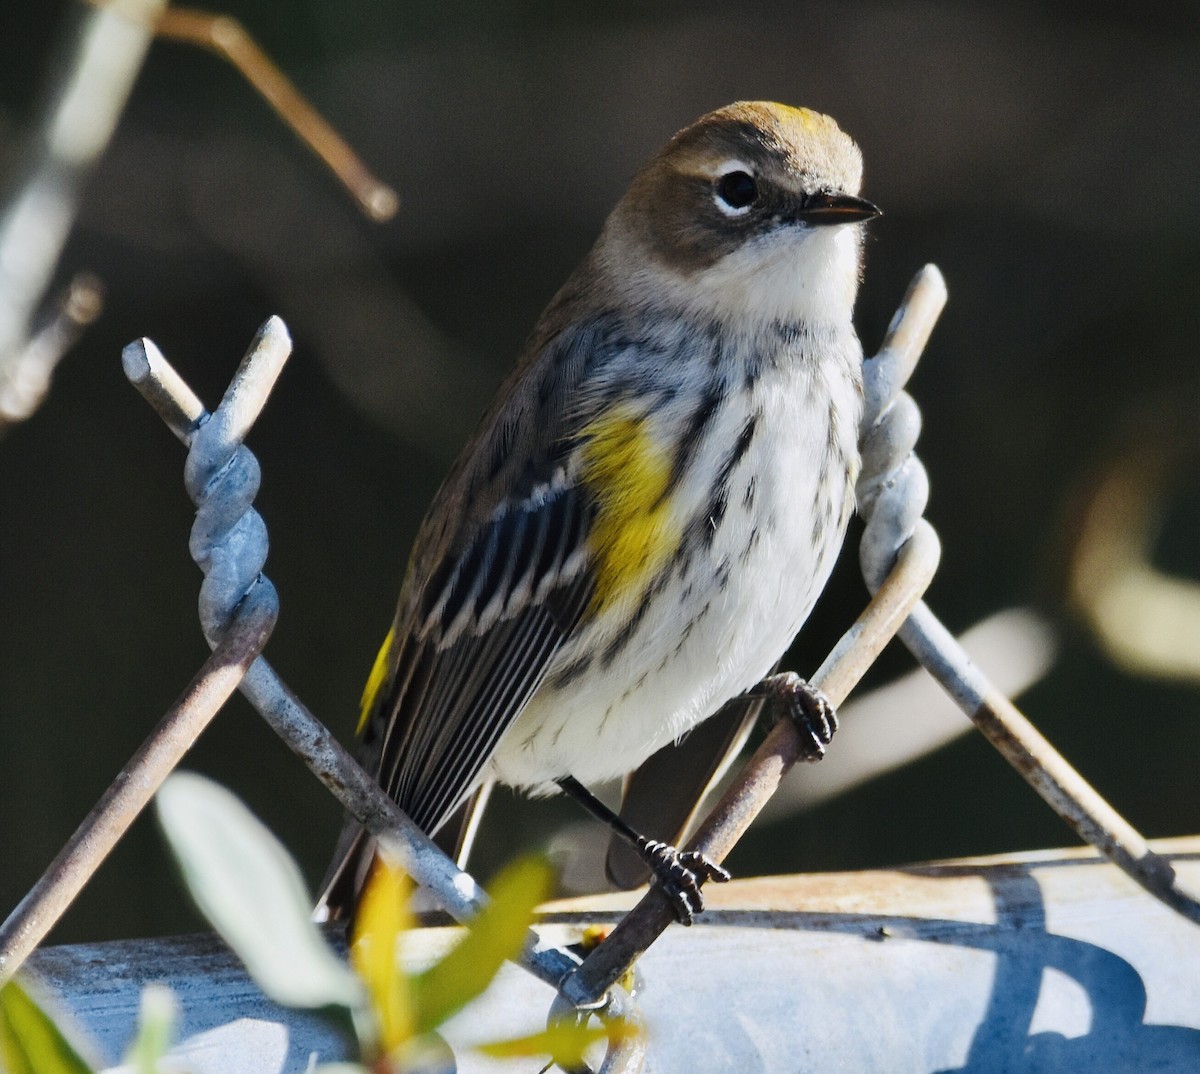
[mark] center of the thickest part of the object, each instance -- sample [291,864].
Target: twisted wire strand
[893,487]
[892,492]
[246,612]
[229,538]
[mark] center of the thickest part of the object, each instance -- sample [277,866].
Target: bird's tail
[356,849]
[346,875]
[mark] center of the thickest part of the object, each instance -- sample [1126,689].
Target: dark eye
[737,189]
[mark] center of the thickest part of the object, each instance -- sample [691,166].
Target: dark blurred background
[1046,156]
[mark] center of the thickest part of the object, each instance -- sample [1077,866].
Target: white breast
[733,603]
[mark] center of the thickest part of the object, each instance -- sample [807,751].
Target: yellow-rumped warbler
[651,506]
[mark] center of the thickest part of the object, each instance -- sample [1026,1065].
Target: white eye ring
[722,200]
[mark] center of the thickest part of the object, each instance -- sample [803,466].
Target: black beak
[822,208]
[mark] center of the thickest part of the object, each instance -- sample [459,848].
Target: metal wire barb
[240,606]
[899,553]
[893,488]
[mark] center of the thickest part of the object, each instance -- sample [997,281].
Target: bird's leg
[679,874]
[810,710]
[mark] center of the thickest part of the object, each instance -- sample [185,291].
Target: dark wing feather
[500,589]
[465,673]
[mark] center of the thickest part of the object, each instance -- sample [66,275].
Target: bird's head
[742,214]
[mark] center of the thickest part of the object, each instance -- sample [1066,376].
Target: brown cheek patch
[688,231]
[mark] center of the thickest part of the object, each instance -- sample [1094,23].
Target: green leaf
[249,888]
[30,1042]
[496,934]
[564,1042]
[157,1019]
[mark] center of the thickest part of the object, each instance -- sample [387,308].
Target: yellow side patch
[375,681]
[634,533]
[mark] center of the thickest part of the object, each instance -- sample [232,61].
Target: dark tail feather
[355,853]
[457,836]
[344,881]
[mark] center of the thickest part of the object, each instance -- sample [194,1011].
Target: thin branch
[228,39]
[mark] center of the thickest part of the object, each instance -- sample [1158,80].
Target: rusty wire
[137,783]
[239,613]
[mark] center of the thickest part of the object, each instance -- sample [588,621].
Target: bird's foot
[807,707]
[680,876]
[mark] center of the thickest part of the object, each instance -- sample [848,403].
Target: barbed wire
[899,554]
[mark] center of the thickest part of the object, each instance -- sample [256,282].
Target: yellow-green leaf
[383,915]
[495,935]
[157,1017]
[249,887]
[30,1042]
[564,1042]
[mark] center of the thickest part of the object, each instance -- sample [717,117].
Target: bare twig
[25,378]
[228,39]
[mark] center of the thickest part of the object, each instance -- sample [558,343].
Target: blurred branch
[88,95]
[25,379]
[1146,620]
[86,100]
[228,39]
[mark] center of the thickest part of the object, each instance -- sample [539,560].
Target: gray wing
[474,643]
[490,621]
[493,618]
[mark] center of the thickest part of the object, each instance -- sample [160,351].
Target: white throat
[806,276]
[809,276]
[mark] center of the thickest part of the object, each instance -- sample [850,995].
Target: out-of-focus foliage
[248,886]
[30,1042]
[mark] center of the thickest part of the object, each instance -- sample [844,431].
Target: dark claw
[809,709]
[680,876]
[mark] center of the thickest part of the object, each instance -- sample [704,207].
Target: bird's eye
[736,191]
